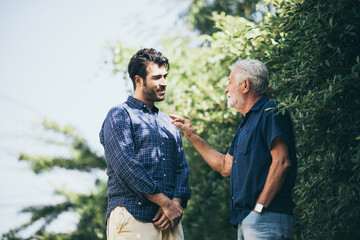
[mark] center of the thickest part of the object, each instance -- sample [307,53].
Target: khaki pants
[121,225]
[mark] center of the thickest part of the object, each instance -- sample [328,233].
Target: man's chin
[232,106]
[160,98]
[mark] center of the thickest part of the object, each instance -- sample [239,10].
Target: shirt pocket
[242,145]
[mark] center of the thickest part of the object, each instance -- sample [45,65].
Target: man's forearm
[159,198]
[212,157]
[273,184]
[277,172]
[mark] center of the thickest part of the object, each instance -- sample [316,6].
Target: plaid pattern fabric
[144,154]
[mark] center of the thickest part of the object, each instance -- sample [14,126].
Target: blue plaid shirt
[144,154]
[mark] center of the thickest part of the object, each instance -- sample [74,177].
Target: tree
[312,51]
[90,207]
[200,12]
[315,67]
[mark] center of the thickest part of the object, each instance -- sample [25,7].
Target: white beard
[235,102]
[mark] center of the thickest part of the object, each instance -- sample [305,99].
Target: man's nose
[163,82]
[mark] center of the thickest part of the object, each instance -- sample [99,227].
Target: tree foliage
[316,71]
[90,207]
[312,51]
[200,12]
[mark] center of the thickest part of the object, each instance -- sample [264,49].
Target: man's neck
[249,103]
[138,96]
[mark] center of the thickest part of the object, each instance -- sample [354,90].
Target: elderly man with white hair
[261,161]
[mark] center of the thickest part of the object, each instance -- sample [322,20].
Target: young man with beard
[261,161]
[147,169]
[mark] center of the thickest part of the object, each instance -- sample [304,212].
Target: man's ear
[138,81]
[246,85]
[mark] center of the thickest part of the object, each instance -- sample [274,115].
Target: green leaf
[327,63]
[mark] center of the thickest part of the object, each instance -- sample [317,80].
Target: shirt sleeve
[277,124]
[120,155]
[182,172]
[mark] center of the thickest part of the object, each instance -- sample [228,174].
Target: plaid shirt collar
[138,104]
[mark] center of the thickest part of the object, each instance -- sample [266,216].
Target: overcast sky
[52,56]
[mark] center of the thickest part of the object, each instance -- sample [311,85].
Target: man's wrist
[259,208]
[176,199]
[165,203]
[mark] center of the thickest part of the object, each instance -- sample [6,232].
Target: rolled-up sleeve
[121,156]
[182,173]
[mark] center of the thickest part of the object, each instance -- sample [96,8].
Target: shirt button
[163,159]
[139,203]
[232,197]
[162,143]
[234,162]
[164,175]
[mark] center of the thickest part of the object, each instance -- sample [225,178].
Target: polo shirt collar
[138,104]
[259,104]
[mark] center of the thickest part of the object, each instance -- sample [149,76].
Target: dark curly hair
[139,62]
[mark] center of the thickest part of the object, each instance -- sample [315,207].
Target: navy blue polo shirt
[250,148]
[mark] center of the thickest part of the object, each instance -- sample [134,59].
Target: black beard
[151,95]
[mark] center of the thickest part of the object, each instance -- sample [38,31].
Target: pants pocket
[120,218]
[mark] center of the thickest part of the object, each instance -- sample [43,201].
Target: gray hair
[255,71]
